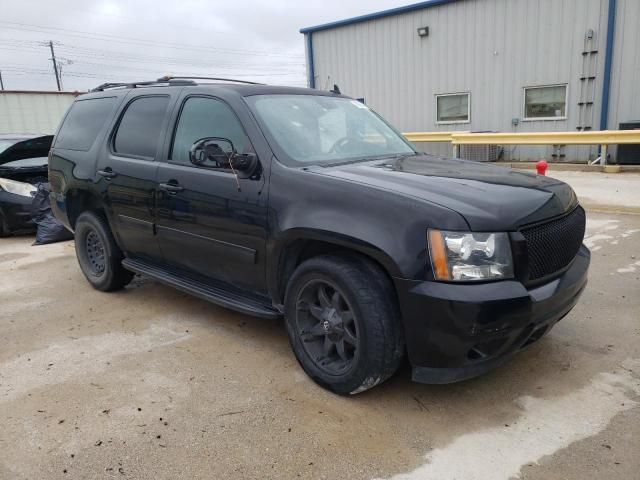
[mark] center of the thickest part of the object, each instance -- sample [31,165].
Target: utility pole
[55,65]
[1,82]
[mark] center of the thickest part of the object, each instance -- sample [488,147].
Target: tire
[347,343]
[99,257]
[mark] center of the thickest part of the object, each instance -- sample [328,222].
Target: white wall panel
[625,81]
[27,112]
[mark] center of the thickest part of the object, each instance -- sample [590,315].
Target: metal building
[489,65]
[33,111]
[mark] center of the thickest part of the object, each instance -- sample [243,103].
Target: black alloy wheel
[326,326]
[343,322]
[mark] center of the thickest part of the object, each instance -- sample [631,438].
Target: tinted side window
[139,130]
[83,123]
[206,117]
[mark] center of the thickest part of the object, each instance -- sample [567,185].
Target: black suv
[278,201]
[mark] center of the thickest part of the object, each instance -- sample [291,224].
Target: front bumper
[455,332]
[15,212]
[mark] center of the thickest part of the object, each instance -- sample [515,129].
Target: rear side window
[139,130]
[83,123]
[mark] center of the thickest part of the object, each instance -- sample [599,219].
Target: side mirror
[218,152]
[212,152]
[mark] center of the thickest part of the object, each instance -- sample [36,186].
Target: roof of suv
[241,88]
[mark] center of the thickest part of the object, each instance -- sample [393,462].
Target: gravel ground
[151,383]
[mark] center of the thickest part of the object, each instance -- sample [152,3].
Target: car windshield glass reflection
[322,129]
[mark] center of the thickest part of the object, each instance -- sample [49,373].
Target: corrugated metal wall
[491,48]
[625,83]
[28,112]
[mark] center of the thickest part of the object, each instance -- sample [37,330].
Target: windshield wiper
[370,159]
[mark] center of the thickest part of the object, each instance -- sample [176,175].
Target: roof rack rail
[170,80]
[235,80]
[163,80]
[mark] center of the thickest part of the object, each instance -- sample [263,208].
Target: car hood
[32,163]
[489,197]
[29,148]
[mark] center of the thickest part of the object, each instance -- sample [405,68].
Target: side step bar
[218,295]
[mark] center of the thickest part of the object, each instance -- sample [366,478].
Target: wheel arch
[299,245]
[79,200]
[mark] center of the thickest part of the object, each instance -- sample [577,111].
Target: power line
[139,41]
[279,67]
[16,68]
[99,78]
[148,59]
[80,53]
[27,69]
[92,51]
[166,61]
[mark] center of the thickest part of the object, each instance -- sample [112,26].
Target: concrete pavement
[618,192]
[149,383]
[152,383]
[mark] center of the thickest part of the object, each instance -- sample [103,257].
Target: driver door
[210,222]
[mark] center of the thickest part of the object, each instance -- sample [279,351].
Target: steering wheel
[339,144]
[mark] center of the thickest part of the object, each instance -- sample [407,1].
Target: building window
[545,103]
[453,108]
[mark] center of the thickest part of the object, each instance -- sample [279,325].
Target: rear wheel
[99,257]
[343,323]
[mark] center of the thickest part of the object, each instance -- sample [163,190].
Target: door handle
[107,173]
[171,188]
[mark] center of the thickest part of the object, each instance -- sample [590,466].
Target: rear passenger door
[129,170]
[211,222]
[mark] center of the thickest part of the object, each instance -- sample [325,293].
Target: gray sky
[117,40]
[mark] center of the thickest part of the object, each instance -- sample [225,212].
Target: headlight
[467,257]
[18,188]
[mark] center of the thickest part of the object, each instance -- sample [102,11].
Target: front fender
[387,226]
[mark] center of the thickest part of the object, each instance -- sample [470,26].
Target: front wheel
[99,257]
[343,323]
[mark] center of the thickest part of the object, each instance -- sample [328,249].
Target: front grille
[553,245]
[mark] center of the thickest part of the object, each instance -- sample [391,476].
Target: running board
[215,294]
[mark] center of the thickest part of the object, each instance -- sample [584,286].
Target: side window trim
[176,122]
[116,126]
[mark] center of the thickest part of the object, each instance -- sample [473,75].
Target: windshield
[320,129]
